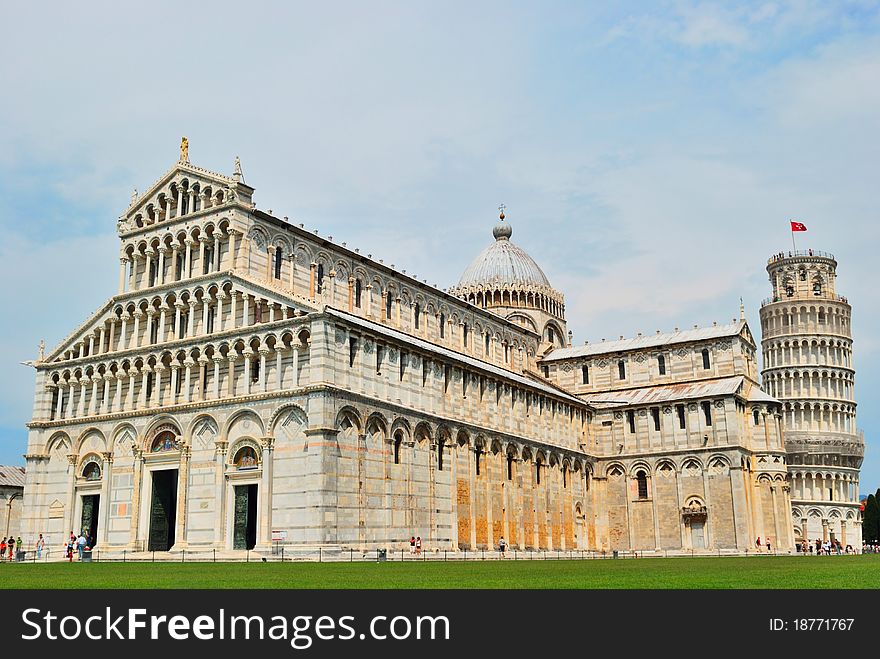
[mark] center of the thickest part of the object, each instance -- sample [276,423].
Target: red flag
[797,226]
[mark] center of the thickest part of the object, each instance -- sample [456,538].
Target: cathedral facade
[253,381]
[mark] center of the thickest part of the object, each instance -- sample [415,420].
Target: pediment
[191,289]
[746,333]
[211,190]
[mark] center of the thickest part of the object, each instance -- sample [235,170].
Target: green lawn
[757,572]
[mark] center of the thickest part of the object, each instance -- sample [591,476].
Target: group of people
[80,544]
[415,545]
[8,545]
[826,548]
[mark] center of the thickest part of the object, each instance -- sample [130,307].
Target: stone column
[123,263]
[70,503]
[203,241]
[232,236]
[279,363]
[203,377]
[270,265]
[233,311]
[157,399]
[192,319]
[81,407]
[135,335]
[218,322]
[179,202]
[295,365]
[104,505]
[123,339]
[220,495]
[218,359]
[175,251]
[161,274]
[263,379]
[105,402]
[137,480]
[246,312]
[205,308]
[102,333]
[192,201]
[188,364]
[60,401]
[203,200]
[271,311]
[110,336]
[175,374]
[149,253]
[230,385]
[178,313]
[93,403]
[180,541]
[264,535]
[142,395]
[248,352]
[163,309]
[291,273]
[117,398]
[216,253]
[187,264]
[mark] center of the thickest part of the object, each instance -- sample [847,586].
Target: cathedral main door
[89,521]
[163,510]
[244,533]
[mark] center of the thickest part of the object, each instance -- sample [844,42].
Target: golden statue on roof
[184,149]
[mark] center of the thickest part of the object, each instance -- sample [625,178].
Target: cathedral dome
[503,263]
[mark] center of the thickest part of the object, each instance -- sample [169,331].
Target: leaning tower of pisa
[808,365]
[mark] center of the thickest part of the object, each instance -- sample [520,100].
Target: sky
[650,155]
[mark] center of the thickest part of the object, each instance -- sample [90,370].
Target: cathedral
[253,383]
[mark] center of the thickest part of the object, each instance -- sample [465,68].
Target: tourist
[502,545]
[419,546]
[2,548]
[80,545]
[768,545]
[412,544]
[70,543]
[40,544]
[20,546]
[758,543]
[11,544]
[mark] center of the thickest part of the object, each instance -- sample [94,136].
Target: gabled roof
[452,355]
[11,476]
[737,328]
[667,393]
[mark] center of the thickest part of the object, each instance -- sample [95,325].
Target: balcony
[801,253]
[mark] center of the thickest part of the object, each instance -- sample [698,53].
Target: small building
[11,494]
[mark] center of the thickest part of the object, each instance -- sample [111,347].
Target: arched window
[179,267]
[320,278]
[642,479]
[398,440]
[631,420]
[585,374]
[279,256]
[756,416]
[165,441]
[621,370]
[388,305]
[442,325]
[358,287]
[255,369]
[705,354]
[803,275]
[707,411]
[565,476]
[510,467]
[478,453]
[92,471]
[464,335]
[661,364]
[817,288]
[440,446]
[487,344]
[538,464]
[209,259]
[417,312]
[246,458]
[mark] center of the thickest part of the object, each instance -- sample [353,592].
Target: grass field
[759,572]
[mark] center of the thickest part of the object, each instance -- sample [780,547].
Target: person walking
[418,545]
[3,548]
[20,545]
[80,545]
[40,544]
[502,546]
[758,543]
[11,545]
[70,543]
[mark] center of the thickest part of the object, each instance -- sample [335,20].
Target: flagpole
[793,246]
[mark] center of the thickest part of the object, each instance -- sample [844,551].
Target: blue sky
[650,154]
